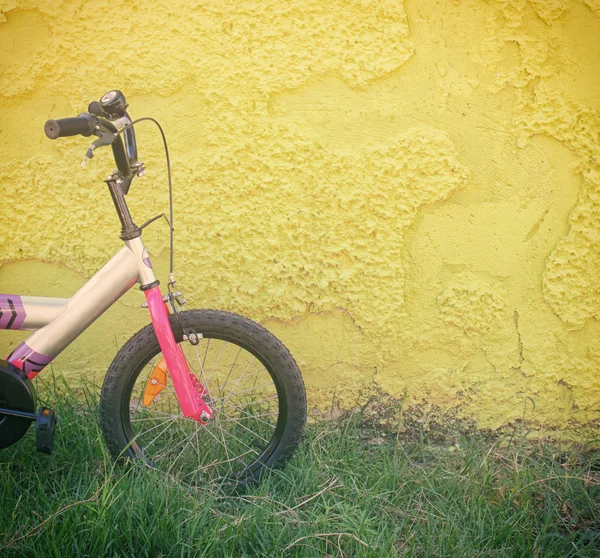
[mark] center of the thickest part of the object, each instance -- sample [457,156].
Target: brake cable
[170,220]
[173,295]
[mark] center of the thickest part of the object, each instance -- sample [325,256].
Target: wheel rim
[248,423]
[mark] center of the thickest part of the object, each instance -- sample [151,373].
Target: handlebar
[83,124]
[107,127]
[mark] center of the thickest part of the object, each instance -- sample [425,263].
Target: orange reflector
[156,383]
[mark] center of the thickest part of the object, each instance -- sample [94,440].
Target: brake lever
[104,138]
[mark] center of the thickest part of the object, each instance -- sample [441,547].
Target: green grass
[349,491]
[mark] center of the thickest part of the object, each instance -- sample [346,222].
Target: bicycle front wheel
[252,385]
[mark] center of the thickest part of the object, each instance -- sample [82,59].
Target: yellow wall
[407,193]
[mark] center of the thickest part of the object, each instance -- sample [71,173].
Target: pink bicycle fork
[187,388]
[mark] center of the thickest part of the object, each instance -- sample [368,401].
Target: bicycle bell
[113,104]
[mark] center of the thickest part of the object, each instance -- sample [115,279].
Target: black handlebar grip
[83,124]
[95,109]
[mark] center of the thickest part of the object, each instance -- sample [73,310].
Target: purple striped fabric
[12,312]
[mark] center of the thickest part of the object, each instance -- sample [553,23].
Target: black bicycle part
[84,125]
[129,229]
[130,143]
[95,109]
[17,394]
[13,413]
[171,221]
[269,378]
[45,428]
[111,107]
[113,104]
[118,147]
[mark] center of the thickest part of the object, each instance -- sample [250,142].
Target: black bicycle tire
[258,341]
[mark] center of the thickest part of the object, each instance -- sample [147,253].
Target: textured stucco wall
[408,193]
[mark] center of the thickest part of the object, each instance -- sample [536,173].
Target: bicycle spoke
[185,441]
[246,428]
[169,422]
[231,367]
[205,352]
[235,438]
[215,463]
[270,384]
[217,420]
[274,413]
[256,417]
[238,381]
[243,397]
[268,398]
[250,450]
[204,381]
[156,412]
[217,361]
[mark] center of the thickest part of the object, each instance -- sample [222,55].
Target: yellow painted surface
[408,193]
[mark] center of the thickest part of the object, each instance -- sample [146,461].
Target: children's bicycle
[201,394]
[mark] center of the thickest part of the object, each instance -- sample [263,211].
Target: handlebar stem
[129,229]
[119,153]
